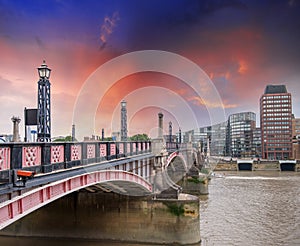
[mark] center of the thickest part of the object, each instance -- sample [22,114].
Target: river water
[242,208]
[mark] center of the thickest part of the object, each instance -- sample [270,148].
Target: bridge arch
[176,154]
[20,206]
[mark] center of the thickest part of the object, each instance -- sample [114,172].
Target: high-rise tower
[44,103]
[123,121]
[276,122]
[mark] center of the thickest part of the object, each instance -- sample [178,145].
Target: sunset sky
[240,45]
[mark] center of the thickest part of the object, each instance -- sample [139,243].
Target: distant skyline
[241,45]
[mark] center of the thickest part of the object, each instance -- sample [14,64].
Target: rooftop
[275,89]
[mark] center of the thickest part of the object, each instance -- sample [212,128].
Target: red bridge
[35,174]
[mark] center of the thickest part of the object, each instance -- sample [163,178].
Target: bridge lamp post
[43,112]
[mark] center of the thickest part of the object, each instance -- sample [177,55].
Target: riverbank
[251,165]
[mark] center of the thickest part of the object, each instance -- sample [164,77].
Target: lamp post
[44,102]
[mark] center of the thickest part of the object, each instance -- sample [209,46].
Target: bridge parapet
[47,157]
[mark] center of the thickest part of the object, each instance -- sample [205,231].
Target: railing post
[97,152]
[16,156]
[84,153]
[46,157]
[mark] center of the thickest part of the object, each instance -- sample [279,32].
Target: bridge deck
[45,178]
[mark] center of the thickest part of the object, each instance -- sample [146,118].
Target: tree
[140,137]
[64,139]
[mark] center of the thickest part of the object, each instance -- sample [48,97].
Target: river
[242,208]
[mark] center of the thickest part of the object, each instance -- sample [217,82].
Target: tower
[179,135]
[73,133]
[170,132]
[16,121]
[276,122]
[123,121]
[44,102]
[160,125]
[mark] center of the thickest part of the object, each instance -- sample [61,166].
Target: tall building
[218,139]
[240,130]
[276,122]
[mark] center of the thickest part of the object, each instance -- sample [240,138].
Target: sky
[239,46]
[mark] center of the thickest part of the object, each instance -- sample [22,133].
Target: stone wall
[111,216]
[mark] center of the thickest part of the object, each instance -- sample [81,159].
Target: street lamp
[44,71]
[44,102]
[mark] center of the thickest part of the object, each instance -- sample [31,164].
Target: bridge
[61,168]
[33,175]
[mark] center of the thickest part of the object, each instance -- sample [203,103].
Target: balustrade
[47,157]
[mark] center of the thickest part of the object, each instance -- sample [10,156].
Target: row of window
[277,114]
[279,145]
[278,141]
[275,127]
[277,110]
[276,105]
[276,97]
[278,132]
[277,118]
[276,101]
[278,149]
[276,123]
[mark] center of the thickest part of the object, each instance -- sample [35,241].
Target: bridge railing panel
[128,149]
[89,152]
[47,157]
[57,158]
[73,154]
[112,151]
[4,158]
[5,163]
[120,149]
[103,151]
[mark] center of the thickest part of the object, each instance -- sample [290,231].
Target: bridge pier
[110,216]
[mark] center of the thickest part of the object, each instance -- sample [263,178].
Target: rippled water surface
[242,208]
[252,208]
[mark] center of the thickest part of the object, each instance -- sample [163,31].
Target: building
[218,139]
[295,127]
[296,137]
[212,137]
[256,143]
[240,130]
[276,122]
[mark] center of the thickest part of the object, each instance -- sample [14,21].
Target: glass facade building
[240,130]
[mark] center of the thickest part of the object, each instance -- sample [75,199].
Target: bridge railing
[48,157]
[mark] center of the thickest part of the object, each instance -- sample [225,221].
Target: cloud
[107,28]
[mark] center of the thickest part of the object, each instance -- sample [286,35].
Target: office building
[276,123]
[240,130]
